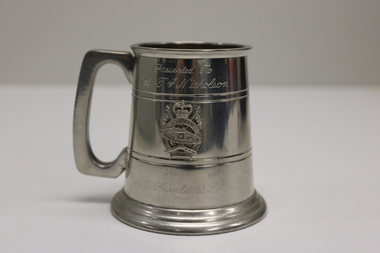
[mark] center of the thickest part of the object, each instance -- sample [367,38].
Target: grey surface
[316,161]
[294,42]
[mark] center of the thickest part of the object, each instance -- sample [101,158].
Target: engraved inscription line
[190,82]
[212,187]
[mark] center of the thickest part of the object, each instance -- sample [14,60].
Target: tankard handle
[85,159]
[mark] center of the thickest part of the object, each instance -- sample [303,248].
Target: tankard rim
[191,48]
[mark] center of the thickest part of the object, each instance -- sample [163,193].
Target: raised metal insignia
[181,132]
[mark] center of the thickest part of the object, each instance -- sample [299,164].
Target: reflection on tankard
[189,160]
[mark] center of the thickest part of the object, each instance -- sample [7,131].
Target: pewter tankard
[189,160]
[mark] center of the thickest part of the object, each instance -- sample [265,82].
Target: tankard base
[188,222]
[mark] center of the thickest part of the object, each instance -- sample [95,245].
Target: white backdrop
[294,41]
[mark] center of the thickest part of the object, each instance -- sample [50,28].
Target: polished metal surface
[188,222]
[85,159]
[189,153]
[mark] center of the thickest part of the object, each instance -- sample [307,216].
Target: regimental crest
[181,132]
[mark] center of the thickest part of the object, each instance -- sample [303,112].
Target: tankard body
[189,159]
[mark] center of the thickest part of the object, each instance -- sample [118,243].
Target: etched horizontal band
[191,161]
[199,98]
[229,93]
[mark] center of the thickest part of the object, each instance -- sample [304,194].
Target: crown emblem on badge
[182,110]
[181,132]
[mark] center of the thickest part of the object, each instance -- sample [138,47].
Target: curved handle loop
[85,159]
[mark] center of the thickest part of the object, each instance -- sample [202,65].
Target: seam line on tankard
[192,95]
[197,101]
[199,162]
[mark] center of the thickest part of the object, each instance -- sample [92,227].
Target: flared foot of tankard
[188,222]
